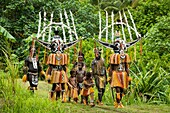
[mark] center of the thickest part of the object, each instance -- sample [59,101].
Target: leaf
[6,34]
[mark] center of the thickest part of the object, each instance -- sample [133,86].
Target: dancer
[119,67]
[87,90]
[80,68]
[32,69]
[72,86]
[57,62]
[99,74]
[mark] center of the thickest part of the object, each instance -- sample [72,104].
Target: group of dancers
[80,82]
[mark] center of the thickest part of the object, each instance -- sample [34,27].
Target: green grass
[25,102]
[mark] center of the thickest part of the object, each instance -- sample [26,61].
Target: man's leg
[119,97]
[63,92]
[52,91]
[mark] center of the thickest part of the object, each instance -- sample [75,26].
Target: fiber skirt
[119,79]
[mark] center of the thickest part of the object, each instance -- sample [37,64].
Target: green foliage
[109,6]
[156,46]
[6,40]
[25,101]
[153,24]
[88,50]
[4,33]
[159,36]
[151,86]
[149,12]
[12,70]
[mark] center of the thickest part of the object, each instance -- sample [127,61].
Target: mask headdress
[119,42]
[57,44]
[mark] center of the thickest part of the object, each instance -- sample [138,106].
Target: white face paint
[123,45]
[121,52]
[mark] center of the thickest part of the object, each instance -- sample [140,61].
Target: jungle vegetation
[150,66]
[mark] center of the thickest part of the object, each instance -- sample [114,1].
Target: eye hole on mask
[117,45]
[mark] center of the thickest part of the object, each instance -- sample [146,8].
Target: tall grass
[15,99]
[8,80]
[25,102]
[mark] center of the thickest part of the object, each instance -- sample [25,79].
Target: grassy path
[44,87]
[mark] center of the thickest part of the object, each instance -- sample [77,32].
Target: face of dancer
[97,55]
[88,74]
[73,74]
[33,52]
[80,59]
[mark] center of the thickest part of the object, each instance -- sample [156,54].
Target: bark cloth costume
[57,61]
[119,68]
[32,69]
[99,73]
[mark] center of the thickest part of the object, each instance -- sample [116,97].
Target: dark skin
[80,68]
[72,84]
[98,63]
[80,73]
[119,46]
[72,79]
[88,82]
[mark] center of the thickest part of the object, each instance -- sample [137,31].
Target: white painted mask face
[56,47]
[120,45]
